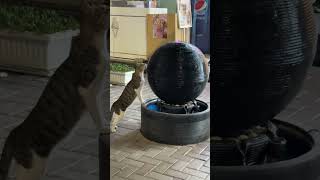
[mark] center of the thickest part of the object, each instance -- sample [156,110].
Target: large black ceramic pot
[262,50]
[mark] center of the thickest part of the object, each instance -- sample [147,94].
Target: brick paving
[132,156]
[304,110]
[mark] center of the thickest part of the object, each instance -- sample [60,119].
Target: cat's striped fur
[55,114]
[71,90]
[132,90]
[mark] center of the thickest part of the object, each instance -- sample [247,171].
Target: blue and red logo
[201,6]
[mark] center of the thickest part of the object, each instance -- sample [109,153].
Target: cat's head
[140,67]
[97,13]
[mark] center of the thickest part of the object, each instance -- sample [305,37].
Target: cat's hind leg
[35,172]
[115,120]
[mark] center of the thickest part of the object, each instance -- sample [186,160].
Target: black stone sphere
[262,51]
[177,72]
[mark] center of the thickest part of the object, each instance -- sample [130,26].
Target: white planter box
[120,78]
[39,54]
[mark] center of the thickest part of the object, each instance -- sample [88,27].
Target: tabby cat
[73,88]
[129,94]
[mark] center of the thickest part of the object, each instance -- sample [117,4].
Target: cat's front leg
[139,94]
[94,106]
[94,99]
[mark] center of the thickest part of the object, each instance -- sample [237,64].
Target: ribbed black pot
[262,50]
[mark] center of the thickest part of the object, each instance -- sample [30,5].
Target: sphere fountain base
[159,122]
[302,159]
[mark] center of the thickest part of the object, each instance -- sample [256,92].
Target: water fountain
[262,51]
[177,74]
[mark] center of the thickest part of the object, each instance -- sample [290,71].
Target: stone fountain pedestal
[171,128]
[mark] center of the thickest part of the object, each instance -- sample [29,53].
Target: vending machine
[200,31]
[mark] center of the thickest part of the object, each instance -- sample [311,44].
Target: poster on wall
[184,13]
[160,26]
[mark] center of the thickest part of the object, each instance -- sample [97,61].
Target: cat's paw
[114,129]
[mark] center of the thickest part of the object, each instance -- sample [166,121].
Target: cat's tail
[6,158]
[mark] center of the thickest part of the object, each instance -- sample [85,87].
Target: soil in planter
[37,20]
[119,67]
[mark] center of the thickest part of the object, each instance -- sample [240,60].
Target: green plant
[119,67]
[31,19]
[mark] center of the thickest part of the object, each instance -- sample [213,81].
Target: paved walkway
[132,156]
[304,110]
